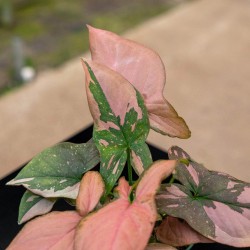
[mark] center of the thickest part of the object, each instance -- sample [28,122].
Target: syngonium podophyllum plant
[124,84]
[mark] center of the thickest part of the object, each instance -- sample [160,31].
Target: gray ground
[205,46]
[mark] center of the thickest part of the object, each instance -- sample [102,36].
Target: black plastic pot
[10,197]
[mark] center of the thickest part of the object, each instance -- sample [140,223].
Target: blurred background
[37,35]
[204,44]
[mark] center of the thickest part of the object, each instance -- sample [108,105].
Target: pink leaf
[92,188]
[55,231]
[145,70]
[159,246]
[175,232]
[128,225]
[152,178]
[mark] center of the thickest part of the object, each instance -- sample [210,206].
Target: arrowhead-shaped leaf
[32,205]
[215,204]
[55,230]
[57,171]
[129,225]
[175,232]
[91,189]
[143,68]
[121,122]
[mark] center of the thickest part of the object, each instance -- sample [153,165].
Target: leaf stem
[172,179]
[130,177]
[190,247]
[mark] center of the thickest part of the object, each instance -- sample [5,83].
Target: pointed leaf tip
[57,171]
[32,205]
[126,220]
[132,60]
[152,178]
[121,122]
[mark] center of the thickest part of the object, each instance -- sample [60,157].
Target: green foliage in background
[53,31]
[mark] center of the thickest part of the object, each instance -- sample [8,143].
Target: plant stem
[130,177]
[189,247]
[172,180]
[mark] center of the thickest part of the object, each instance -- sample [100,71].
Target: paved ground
[205,46]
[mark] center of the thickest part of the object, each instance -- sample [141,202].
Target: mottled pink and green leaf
[143,68]
[121,122]
[215,204]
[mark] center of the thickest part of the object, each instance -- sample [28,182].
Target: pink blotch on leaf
[143,68]
[119,93]
[231,227]
[244,197]
[137,163]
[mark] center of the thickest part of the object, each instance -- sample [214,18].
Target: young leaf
[175,232]
[121,122]
[129,225]
[215,204]
[143,68]
[91,189]
[57,171]
[55,230]
[32,205]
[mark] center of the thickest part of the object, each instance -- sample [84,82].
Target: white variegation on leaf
[32,205]
[108,228]
[214,204]
[57,171]
[56,230]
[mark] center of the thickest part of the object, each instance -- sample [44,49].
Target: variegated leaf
[174,232]
[214,204]
[123,224]
[143,68]
[121,122]
[57,171]
[32,205]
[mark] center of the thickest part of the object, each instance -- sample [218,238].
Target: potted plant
[124,85]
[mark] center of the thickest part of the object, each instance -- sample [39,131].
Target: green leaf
[32,205]
[215,204]
[121,122]
[57,171]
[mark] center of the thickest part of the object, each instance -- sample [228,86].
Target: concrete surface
[205,46]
